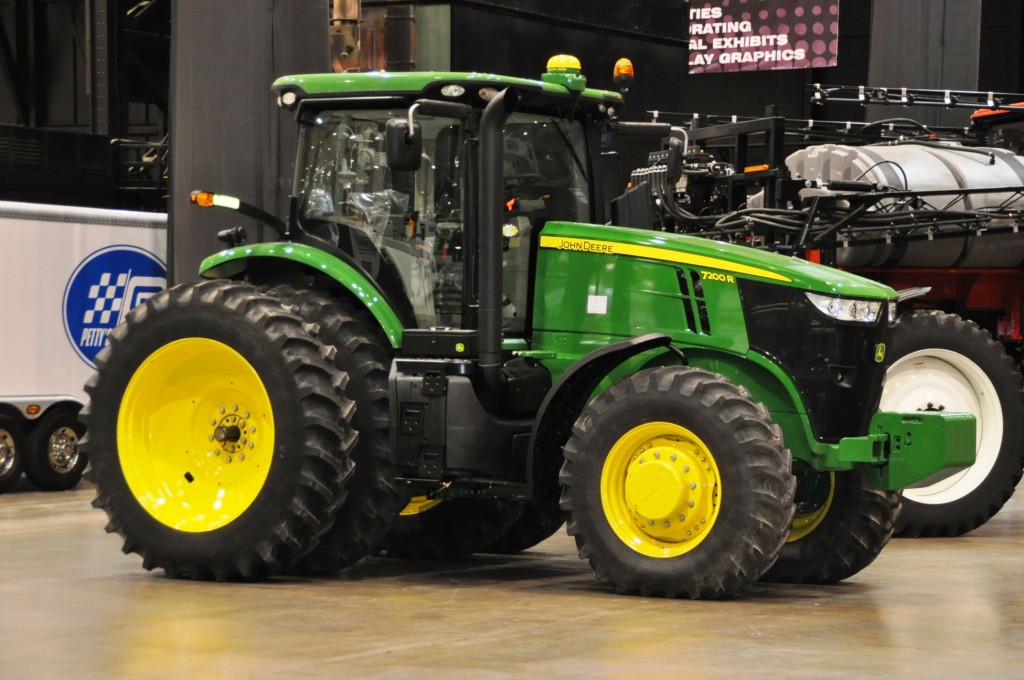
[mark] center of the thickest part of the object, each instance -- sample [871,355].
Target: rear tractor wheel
[218,437]
[676,483]
[362,352]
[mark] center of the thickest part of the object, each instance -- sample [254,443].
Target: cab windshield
[410,225]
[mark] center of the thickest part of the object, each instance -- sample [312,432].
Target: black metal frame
[828,220]
[909,96]
[120,56]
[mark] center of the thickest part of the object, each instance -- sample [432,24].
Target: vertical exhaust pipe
[492,187]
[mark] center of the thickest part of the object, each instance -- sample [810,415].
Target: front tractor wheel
[941,362]
[534,525]
[676,483]
[840,527]
[218,437]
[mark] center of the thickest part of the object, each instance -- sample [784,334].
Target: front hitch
[907,450]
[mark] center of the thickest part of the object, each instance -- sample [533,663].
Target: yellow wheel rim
[195,435]
[418,504]
[811,512]
[660,489]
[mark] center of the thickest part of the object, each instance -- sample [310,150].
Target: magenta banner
[762,35]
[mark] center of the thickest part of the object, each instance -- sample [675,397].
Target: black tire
[534,525]
[706,519]
[840,527]
[451,530]
[55,461]
[12,452]
[362,352]
[942,362]
[217,360]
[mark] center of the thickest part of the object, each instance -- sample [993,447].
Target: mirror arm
[412,130]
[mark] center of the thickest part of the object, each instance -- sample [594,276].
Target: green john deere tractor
[447,351]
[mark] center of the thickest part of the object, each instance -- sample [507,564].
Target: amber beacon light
[623,72]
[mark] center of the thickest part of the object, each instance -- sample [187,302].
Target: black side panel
[440,430]
[633,208]
[481,444]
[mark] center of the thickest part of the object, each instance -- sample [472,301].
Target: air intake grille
[692,289]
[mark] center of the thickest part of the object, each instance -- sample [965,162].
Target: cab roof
[431,85]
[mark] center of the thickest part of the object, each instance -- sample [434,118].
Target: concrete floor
[72,606]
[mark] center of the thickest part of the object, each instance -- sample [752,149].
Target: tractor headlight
[842,309]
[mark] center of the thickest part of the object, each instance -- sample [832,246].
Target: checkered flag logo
[102,290]
[107,299]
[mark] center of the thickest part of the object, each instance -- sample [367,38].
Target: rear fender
[233,262]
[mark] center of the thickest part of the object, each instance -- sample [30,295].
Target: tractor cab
[412,226]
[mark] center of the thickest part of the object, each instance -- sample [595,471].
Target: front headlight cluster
[842,309]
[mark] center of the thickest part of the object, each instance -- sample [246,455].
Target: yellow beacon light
[565,70]
[563,63]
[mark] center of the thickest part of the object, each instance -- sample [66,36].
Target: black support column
[927,44]
[227,134]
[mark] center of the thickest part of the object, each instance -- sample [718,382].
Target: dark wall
[228,51]
[83,101]
[44,83]
[520,42]
[227,134]
[1001,57]
[927,44]
[630,17]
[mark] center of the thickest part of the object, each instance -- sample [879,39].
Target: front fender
[566,400]
[233,261]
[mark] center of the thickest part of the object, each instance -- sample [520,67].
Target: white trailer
[67,275]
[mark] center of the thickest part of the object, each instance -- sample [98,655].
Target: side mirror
[403,145]
[674,164]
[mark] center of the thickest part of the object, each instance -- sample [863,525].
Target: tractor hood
[724,258]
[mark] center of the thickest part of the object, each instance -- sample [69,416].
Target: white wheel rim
[950,381]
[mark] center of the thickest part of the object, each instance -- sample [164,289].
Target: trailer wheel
[449,530]
[54,461]
[375,499]
[677,483]
[840,526]
[12,450]
[219,442]
[941,362]
[533,526]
